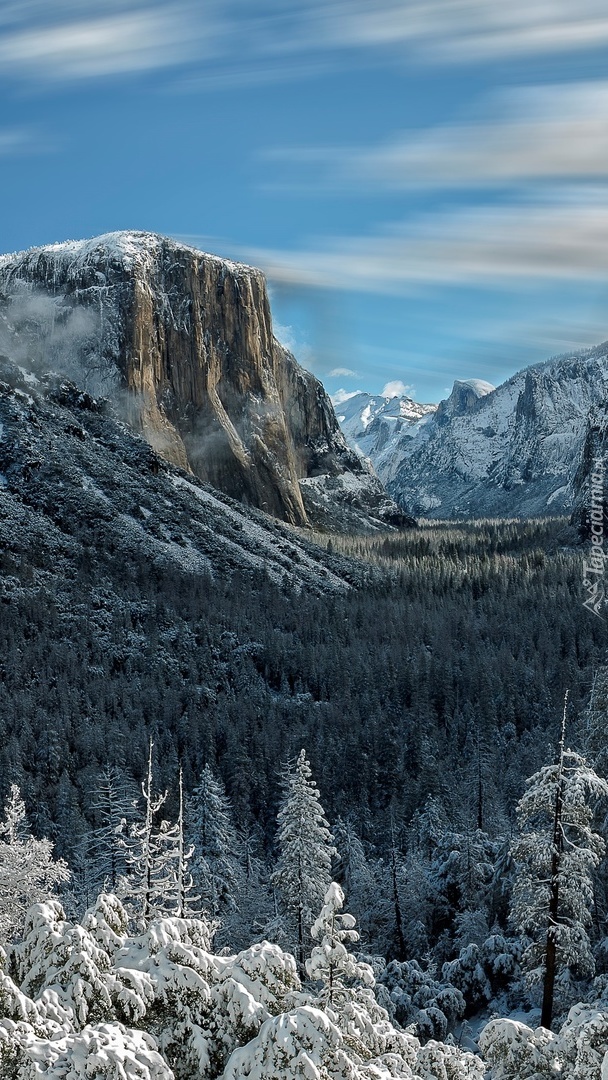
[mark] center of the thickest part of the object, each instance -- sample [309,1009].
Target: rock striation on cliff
[183,343]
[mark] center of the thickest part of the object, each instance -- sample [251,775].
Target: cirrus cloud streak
[563,239]
[130,41]
[75,39]
[557,132]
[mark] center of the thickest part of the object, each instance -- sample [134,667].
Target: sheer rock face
[184,342]
[590,483]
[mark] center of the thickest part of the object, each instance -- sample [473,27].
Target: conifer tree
[396,862]
[306,847]
[355,874]
[179,893]
[114,805]
[28,873]
[595,721]
[555,855]
[595,750]
[215,863]
[254,916]
[330,961]
[152,856]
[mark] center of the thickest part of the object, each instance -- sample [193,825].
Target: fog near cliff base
[42,333]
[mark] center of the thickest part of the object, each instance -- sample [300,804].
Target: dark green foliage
[388,686]
[135,602]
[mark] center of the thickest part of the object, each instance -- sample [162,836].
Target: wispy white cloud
[17,142]
[342,373]
[442,29]
[550,239]
[13,141]
[96,42]
[473,29]
[542,133]
[342,395]
[291,340]
[396,388]
[74,39]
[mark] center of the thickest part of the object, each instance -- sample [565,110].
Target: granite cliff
[589,483]
[182,342]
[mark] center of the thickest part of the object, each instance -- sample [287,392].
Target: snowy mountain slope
[510,451]
[76,484]
[182,343]
[373,423]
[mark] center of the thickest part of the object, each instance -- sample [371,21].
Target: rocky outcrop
[590,482]
[183,343]
[373,423]
[466,393]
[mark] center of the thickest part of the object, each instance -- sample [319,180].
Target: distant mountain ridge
[508,451]
[182,344]
[370,421]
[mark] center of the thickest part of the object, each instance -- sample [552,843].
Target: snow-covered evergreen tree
[63,964]
[255,895]
[330,961]
[306,847]
[75,989]
[179,896]
[461,875]
[28,872]
[595,720]
[153,853]
[595,749]
[215,863]
[555,855]
[114,806]
[579,1051]
[388,913]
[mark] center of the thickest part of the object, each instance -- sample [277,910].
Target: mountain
[373,423]
[79,487]
[485,452]
[182,344]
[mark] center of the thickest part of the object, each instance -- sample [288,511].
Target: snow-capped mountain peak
[485,451]
[371,421]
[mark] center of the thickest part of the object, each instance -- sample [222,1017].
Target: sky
[425,182]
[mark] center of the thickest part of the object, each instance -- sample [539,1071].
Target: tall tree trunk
[556,858]
[302,971]
[479,789]
[398,913]
[301,942]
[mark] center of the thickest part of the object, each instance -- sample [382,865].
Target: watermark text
[594,565]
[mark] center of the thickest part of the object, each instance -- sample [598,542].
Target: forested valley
[161,733]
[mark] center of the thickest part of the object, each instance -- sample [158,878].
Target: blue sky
[425,182]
